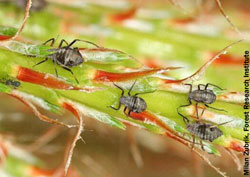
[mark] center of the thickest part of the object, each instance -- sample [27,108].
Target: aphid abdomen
[204,131]
[139,105]
[60,56]
[134,104]
[203,96]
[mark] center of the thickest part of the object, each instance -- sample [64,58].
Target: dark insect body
[13,83]
[66,56]
[132,103]
[205,96]
[204,131]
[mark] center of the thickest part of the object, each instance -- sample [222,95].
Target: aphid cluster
[66,57]
[204,131]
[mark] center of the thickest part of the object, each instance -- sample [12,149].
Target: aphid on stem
[66,56]
[131,102]
[12,83]
[206,96]
[204,131]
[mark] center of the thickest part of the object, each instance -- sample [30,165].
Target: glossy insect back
[132,103]
[66,56]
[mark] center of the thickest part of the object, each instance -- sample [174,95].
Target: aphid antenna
[222,124]
[80,40]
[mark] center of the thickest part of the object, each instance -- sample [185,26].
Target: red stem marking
[145,115]
[70,108]
[4,37]
[237,146]
[4,152]
[111,77]
[228,60]
[118,18]
[34,77]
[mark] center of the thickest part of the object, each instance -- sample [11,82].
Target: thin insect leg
[145,93]
[129,112]
[202,112]
[54,63]
[185,119]
[71,73]
[76,40]
[196,107]
[215,108]
[52,43]
[202,146]
[199,88]
[212,85]
[119,106]
[119,88]
[124,110]
[192,147]
[46,59]
[61,43]
[190,89]
[131,88]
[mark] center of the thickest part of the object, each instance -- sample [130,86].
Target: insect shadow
[131,102]
[205,96]
[66,56]
[204,131]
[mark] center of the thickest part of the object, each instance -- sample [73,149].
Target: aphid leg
[119,106]
[192,147]
[202,146]
[46,59]
[54,63]
[212,85]
[119,88]
[129,112]
[61,43]
[215,108]
[199,86]
[131,88]
[76,40]
[52,43]
[185,119]
[64,67]
[190,89]
[124,110]
[202,112]
[197,113]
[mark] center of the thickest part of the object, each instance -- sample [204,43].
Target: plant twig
[26,16]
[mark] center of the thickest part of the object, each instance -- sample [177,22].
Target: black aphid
[204,131]
[132,103]
[67,56]
[13,83]
[205,96]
